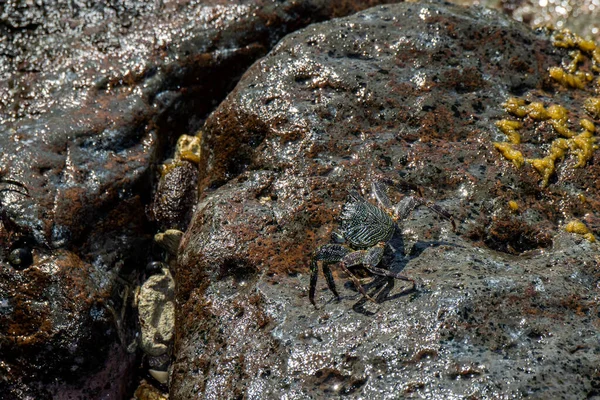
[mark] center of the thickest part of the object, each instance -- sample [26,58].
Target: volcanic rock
[505,307]
[92,97]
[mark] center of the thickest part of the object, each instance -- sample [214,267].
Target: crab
[365,231]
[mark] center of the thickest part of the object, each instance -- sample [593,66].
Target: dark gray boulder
[506,306]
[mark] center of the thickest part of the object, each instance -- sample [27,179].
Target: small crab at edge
[365,231]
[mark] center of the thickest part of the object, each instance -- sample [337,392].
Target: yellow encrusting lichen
[579,228]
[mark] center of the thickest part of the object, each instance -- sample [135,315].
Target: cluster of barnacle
[581,143]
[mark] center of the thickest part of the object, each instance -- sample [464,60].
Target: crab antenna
[441,212]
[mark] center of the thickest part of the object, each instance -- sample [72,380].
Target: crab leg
[327,254]
[372,256]
[407,204]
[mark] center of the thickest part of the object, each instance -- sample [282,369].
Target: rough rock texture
[507,306]
[92,95]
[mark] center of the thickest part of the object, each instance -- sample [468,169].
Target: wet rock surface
[506,306]
[92,97]
[580,16]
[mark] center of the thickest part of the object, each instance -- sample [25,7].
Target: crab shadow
[381,287]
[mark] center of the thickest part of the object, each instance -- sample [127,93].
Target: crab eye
[155,267]
[20,258]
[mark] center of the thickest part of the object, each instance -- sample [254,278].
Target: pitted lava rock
[407,93]
[92,96]
[175,197]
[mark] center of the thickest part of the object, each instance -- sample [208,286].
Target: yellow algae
[507,124]
[576,80]
[583,146]
[547,165]
[515,106]
[558,113]
[588,125]
[562,129]
[509,128]
[586,45]
[564,38]
[514,137]
[579,228]
[592,106]
[511,154]
[537,111]
[558,147]
[190,156]
[569,40]
[596,55]
[513,205]
[166,168]
[576,59]
[189,148]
